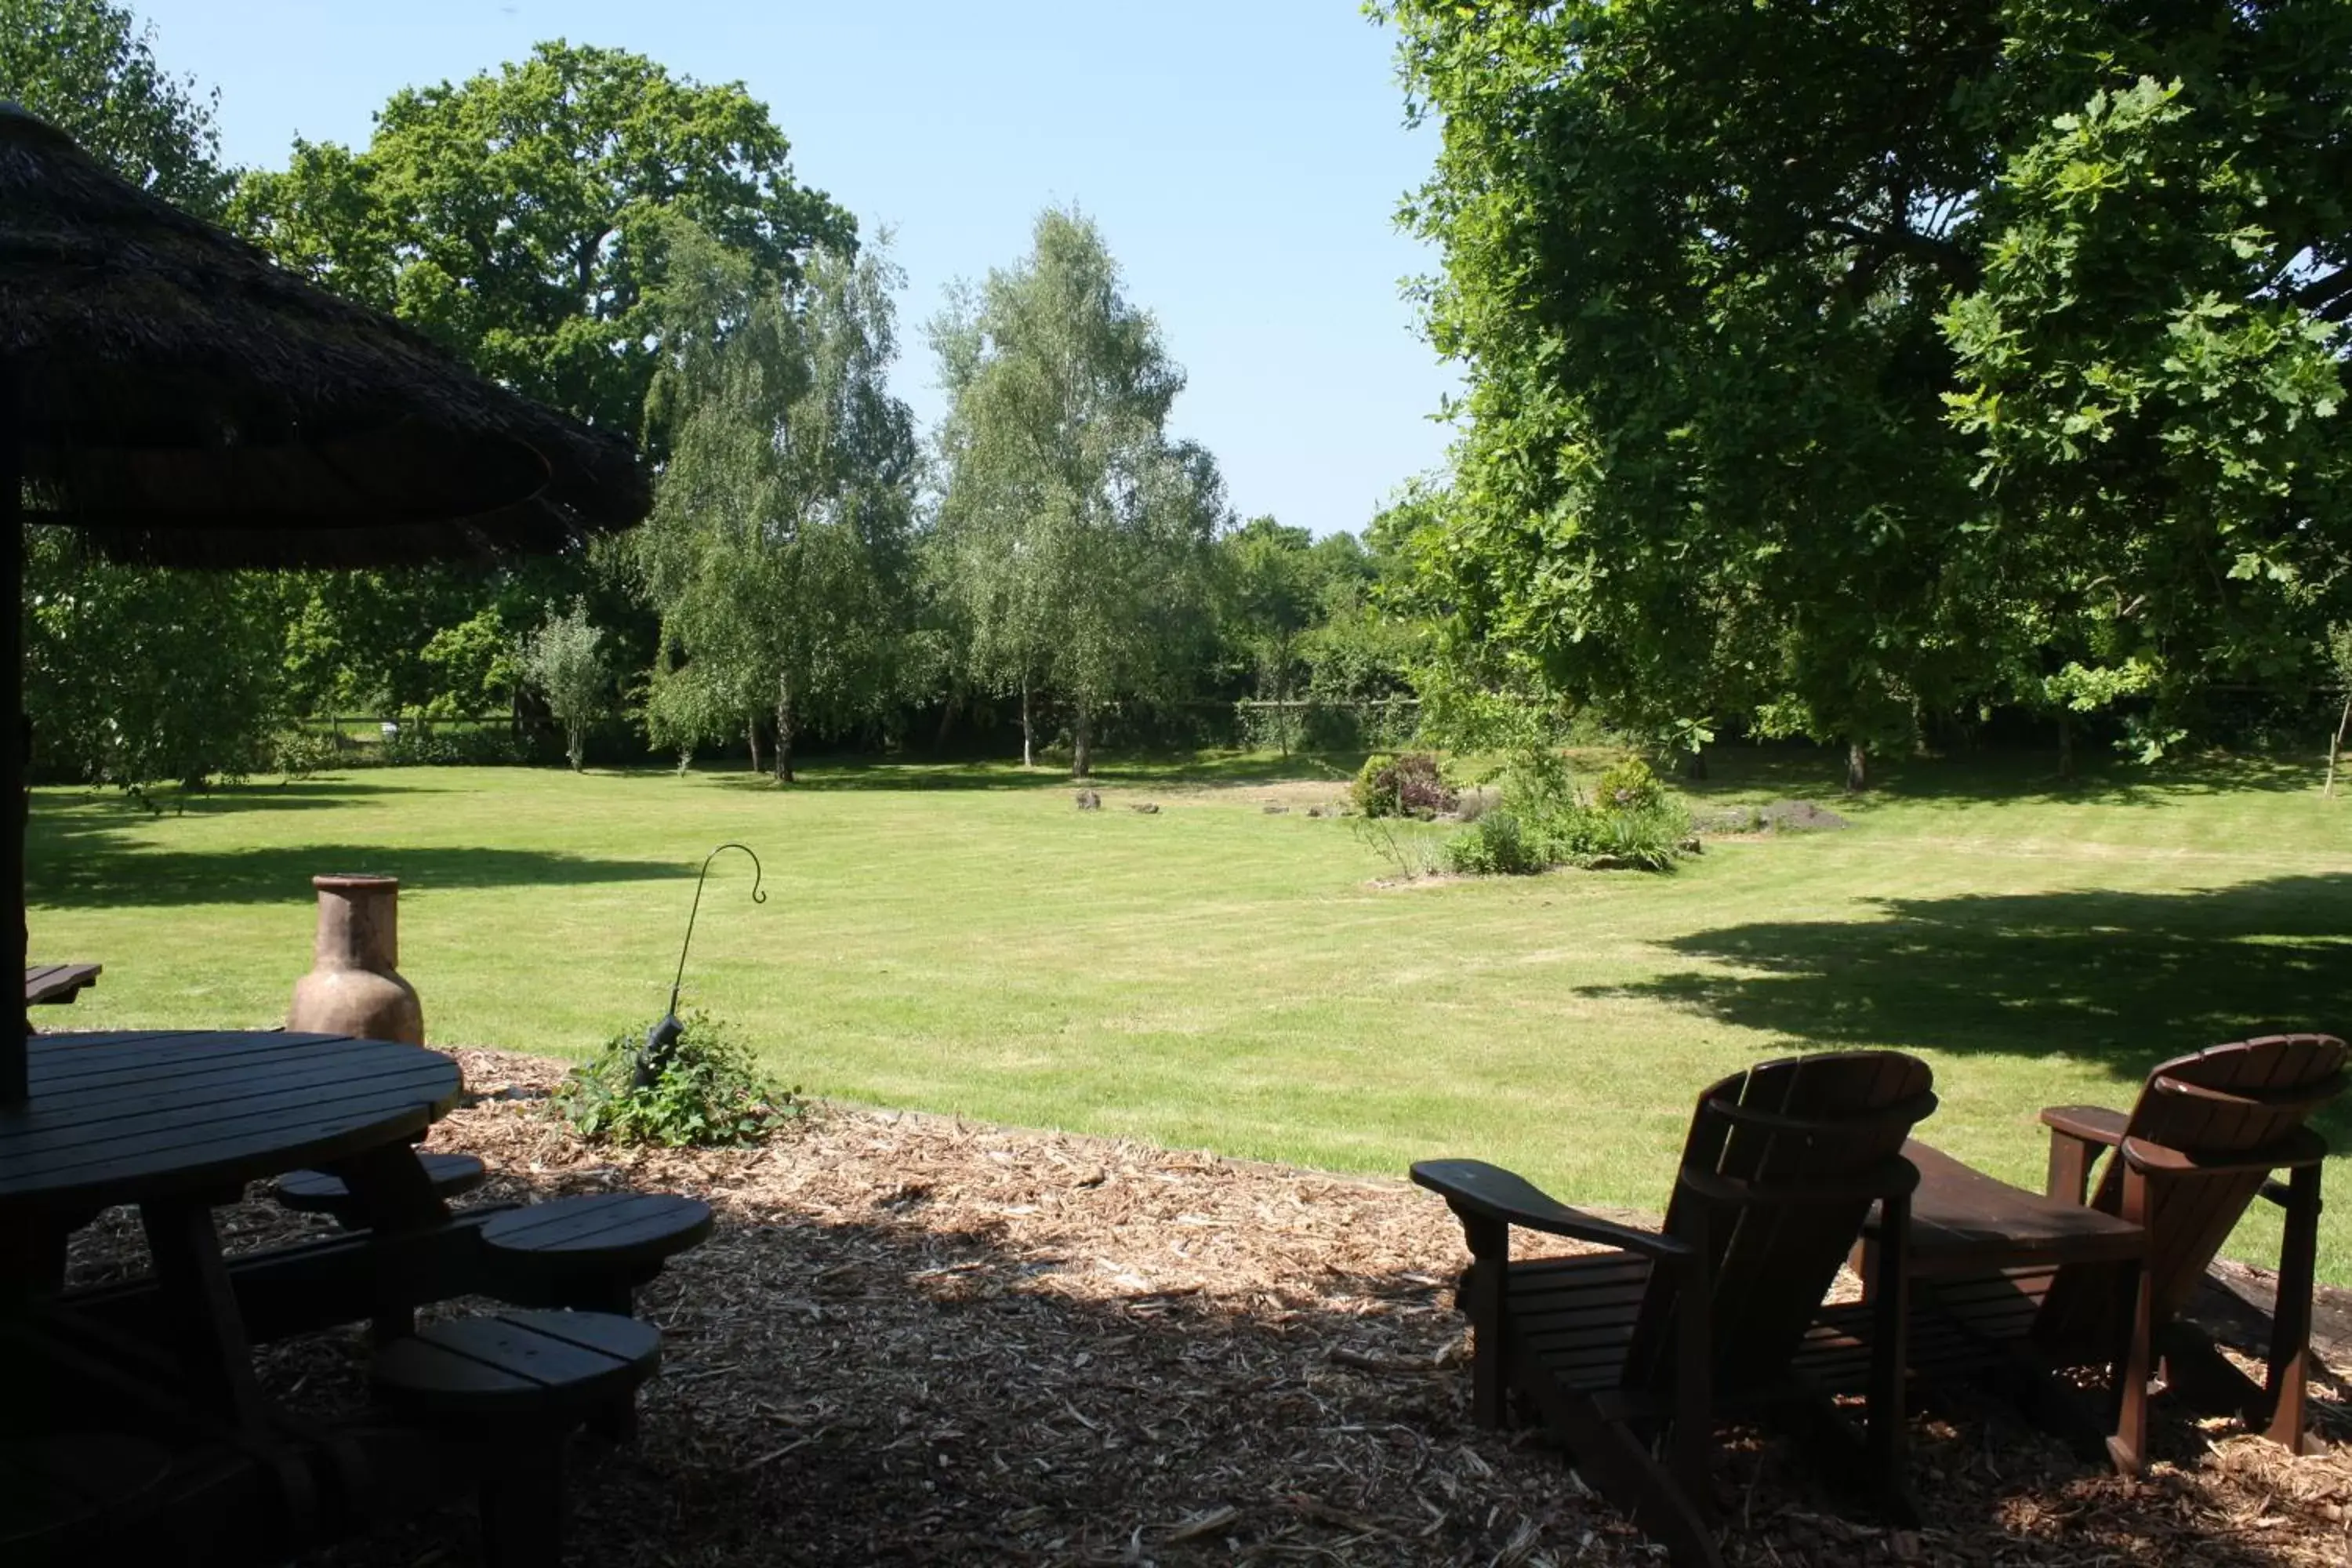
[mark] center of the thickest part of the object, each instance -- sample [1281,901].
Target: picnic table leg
[391,1193]
[201,1305]
[522,1504]
[33,1259]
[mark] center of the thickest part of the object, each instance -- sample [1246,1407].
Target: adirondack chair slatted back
[1762,1146]
[2226,1099]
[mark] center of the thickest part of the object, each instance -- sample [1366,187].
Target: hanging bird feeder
[661,1041]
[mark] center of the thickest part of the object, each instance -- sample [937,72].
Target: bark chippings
[915,1341]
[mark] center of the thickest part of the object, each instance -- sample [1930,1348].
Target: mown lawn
[960,939]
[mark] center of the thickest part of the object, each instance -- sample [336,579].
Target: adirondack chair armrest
[2077,1133]
[2091,1123]
[2301,1147]
[1474,1188]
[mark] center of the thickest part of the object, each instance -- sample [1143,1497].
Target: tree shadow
[315,793]
[1816,773]
[68,870]
[2119,979]
[1189,770]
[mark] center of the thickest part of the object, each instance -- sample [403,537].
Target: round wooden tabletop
[128,1117]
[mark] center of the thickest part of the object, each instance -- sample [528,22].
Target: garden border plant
[1543,820]
[709,1092]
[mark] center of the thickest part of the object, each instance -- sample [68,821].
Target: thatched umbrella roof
[187,402]
[168,391]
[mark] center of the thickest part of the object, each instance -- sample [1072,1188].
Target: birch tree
[1074,531]
[779,550]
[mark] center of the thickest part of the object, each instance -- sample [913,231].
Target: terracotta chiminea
[353,987]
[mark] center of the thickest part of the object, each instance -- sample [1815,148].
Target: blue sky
[1242,160]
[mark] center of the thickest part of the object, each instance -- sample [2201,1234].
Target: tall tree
[779,553]
[89,68]
[1074,530]
[1834,364]
[143,677]
[524,218]
[520,217]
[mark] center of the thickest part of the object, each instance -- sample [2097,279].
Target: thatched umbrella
[182,400]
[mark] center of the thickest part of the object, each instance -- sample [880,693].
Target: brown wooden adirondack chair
[1647,1340]
[2205,1138]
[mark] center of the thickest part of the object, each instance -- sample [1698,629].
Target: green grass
[960,939]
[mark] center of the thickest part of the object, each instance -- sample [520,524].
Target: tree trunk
[947,723]
[783,729]
[1695,765]
[575,745]
[1028,728]
[1282,694]
[1857,767]
[2335,748]
[1082,741]
[2066,745]
[752,728]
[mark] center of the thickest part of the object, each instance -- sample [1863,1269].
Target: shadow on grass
[1190,768]
[1818,774]
[318,793]
[68,870]
[2119,979]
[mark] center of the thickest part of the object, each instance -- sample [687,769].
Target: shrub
[709,1091]
[299,754]
[1407,784]
[482,747]
[1544,821]
[1411,851]
[1628,787]
[1495,846]
[1649,837]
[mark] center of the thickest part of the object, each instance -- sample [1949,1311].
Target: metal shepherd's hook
[664,1036]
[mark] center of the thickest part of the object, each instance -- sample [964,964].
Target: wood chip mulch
[916,1341]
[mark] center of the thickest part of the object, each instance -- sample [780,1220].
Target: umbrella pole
[12,736]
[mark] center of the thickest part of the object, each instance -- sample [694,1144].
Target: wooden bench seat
[590,1251]
[316,1191]
[509,1387]
[52,984]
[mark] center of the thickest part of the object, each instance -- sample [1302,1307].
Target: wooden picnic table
[178,1121]
[59,983]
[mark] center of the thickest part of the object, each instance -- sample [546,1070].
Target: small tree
[1270,577]
[564,660]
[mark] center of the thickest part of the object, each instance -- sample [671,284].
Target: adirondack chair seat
[1577,1315]
[316,1191]
[1627,1354]
[590,1251]
[2060,1273]
[508,1389]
